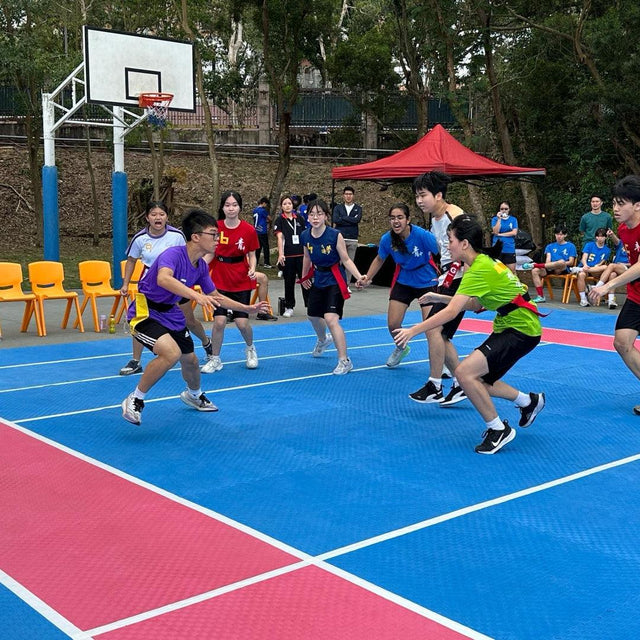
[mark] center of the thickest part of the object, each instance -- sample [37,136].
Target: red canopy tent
[438,150]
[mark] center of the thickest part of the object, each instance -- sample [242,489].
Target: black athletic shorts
[406,295]
[239,296]
[148,331]
[325,300]
[629,317]
[503,350]
[507,258]
[448,329]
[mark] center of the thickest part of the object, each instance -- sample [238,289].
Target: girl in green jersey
[488,284]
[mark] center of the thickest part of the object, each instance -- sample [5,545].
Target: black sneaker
[636,410]
[428,393]
[528,414]
[265,316]
[133,366]
[495,440]
[455,395]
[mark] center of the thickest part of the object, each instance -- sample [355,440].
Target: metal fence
[314,109]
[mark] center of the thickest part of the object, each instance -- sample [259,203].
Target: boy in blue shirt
[560,256]
[261,221]
[593,263]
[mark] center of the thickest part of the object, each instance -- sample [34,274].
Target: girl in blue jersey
[325,256]
[412,249]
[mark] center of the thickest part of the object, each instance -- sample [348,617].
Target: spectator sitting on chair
[617,267]
[560,256]
[593,263]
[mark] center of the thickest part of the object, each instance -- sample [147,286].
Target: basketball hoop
[157,107]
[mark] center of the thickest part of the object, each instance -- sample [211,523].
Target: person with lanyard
[233,269]
[504,227]
[287,228]
[325,259]
[488,284]
[158,323]
[412,248]
[430,190]
[146,246]
[626,211]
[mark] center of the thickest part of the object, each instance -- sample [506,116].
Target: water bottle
[103,322]
[112,324]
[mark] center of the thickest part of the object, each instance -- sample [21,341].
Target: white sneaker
[575,270]
[584,303]
[132,409]
[612,304]
[396,356]
[201,403]
[252,357]
[343,366]
[321,345]
[212,365]
[287,313]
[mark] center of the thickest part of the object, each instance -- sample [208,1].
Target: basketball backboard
[119,66]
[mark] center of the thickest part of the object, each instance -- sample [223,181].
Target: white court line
[304,560]
[254,385]
[128,353]
[319,561]
[40,606]
[177,367]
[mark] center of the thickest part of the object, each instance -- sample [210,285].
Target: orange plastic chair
[207,315]
[11,291]
[132,289]
[569,284]
[95,276]
[46,278]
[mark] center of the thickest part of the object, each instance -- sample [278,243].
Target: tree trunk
[529,194]
[33,146]
[284,152]
[456,106]
[156,175]
[208,122]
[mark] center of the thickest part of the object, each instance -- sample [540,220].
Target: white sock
[195,393]
[583,295]
[610,297]
[496,424]
[436,381]
[599,283]
[523,400]
[139,394]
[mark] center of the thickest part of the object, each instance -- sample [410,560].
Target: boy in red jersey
[626,211]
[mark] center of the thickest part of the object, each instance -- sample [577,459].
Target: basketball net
[157,107]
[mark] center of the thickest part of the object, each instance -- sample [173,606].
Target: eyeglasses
[209,233]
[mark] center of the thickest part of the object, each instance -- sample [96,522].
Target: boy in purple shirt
[157,321]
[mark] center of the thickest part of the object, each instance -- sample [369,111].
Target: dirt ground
[251,177]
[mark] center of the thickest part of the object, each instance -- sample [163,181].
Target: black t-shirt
[290,227]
